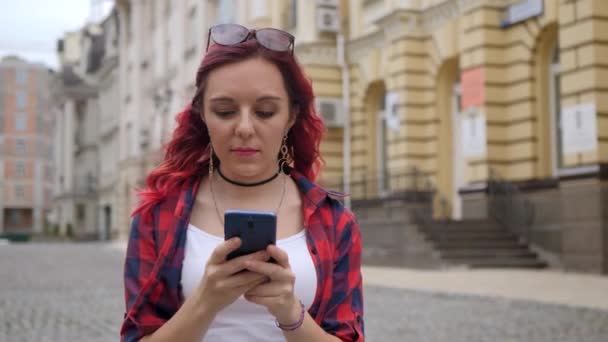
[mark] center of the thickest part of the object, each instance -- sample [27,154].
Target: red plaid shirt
[155,253]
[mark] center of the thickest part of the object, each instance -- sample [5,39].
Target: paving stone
[73,292]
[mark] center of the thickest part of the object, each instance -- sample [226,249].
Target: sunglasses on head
[232,34]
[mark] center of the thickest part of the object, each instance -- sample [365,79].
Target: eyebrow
[261,98]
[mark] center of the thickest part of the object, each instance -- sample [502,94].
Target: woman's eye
[223,113]
[264,114]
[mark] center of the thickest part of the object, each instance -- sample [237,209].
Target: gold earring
[284,160]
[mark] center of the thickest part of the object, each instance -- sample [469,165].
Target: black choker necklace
[270,179]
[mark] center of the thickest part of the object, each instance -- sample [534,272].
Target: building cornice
[413,23]
[362,45]
[318,53]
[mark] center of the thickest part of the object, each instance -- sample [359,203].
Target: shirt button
[314,251]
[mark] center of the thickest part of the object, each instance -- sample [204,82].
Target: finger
[243,279]
[221,252]
[279,255]
[238,264]
[273,271]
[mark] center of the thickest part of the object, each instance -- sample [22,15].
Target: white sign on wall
[392,111]
[521,11]
[473,130]
[579,128]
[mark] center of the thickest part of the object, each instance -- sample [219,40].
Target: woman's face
[247,112]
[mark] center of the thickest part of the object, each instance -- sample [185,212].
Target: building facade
[468,92]
[87,133]
[27,115]
[450,95]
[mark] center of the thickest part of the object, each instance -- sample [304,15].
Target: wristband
[296,325]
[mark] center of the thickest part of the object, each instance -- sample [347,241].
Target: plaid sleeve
[344,317]
[141,317]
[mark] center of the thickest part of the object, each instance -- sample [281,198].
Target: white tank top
[243,320]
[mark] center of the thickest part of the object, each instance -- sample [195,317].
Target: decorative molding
[318,53]
[400,23]
[407,22]
[362,46]
[438,15]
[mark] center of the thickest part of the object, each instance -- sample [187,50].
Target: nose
[244,127]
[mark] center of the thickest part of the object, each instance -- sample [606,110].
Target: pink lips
[244,152]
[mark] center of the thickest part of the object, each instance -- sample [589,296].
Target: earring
[210,160]
[285,159]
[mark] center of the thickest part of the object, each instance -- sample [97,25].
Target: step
[462,227]
[382,222]
[486,253]
[502,263]
[473,235]
[482,244]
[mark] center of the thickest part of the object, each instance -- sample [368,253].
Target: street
[73,292]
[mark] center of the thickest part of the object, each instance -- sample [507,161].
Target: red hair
[187,153]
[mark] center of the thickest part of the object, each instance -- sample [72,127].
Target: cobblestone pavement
[73,292]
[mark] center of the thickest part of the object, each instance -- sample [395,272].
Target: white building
[161,47]
[87,131]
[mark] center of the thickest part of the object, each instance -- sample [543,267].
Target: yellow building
[451,94]
[467,93]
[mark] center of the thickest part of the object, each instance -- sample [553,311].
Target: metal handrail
[509,206]
[388,184]
[411,184]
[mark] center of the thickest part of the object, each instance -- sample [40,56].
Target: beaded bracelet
[296,325]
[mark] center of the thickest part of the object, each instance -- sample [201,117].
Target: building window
[40,123]
[20,169]
[225,11]
[80,212]
[21,77]
[20,99]
[20,122]
[20,146]
[19,192]
[258,8]
[292,14]
[167,8]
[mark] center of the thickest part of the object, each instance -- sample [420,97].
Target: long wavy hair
[187,153]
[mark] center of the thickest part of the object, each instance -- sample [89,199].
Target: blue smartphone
[257,230]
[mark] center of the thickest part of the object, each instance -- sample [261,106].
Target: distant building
[27,115]
[87,131]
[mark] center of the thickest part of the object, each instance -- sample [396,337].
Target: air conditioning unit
[331,111]
[327,3]
[328,20]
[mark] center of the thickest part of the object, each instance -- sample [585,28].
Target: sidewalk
[555,287]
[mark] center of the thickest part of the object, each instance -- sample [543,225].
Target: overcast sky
[31,28]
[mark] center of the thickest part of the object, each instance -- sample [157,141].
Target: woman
[249,140]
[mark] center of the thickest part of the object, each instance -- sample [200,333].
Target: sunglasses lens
[274,39]
[228,34]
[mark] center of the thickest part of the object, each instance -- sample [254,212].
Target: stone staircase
[479,244]
[390,238]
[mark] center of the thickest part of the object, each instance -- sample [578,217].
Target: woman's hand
[277,294]
[222,282]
